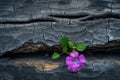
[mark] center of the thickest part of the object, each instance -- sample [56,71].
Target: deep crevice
[102,16]
[87,16]
[70,16]
[112,47]
[24,55]
[28,21]
[81,16]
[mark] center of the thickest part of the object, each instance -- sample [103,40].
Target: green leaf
[73,50]
[55,55]
[64,41]
[65,49]
[81,46]
[71,45]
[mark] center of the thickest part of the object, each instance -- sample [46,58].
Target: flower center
[76,62]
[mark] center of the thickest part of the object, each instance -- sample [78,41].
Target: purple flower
[75,62]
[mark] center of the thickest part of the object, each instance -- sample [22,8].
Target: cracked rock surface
[27,24]
[95,22]
[98,67]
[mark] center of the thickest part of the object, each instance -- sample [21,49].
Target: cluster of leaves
[68,46]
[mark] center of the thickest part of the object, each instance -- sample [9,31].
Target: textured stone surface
[95,22]
[92,21]
[98,67]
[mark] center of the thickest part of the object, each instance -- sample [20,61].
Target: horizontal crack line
[84,16]
[28,21]
[70,15]
[101,16]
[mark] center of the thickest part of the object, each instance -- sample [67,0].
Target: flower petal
[73,68]
[81,66]
[74,54]
[82,58]
[69,61]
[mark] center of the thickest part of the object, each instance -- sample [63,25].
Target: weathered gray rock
[32,21]
[98,67]
[95,22]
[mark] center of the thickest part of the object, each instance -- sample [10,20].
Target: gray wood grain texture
[92,21]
